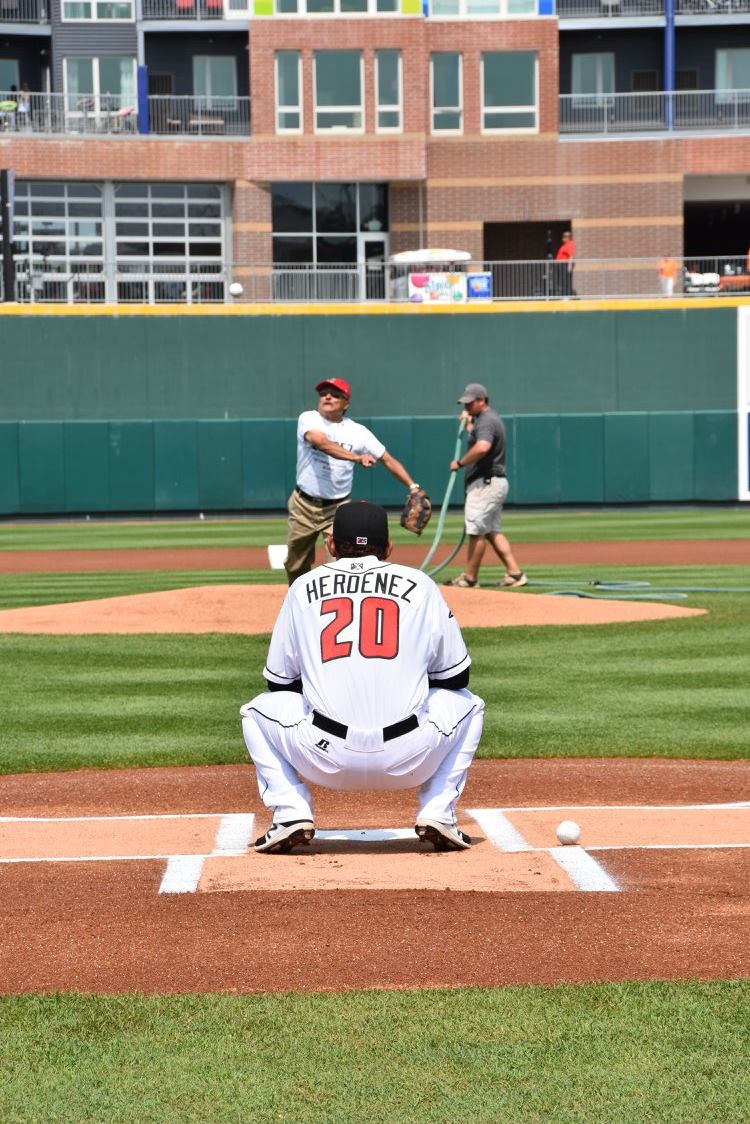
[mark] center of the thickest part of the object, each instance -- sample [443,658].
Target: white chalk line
[234,832]
[233,835]
[583,871]
[108,819]
[624,807]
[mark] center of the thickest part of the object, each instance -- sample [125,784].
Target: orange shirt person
[565,258]
[667,275]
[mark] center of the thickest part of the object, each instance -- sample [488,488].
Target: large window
[126,241]
[338,91]
[334,7]
[319,222]
[593,74]
[388,91]
[446,98]
[96,86]
[509,91]
[733,69]
[97,10]
[8,74]
[483,9]
[288,92]
[215,77]
[169,241]
[59,240]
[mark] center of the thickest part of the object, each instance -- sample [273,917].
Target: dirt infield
[253,608]
[73,921]
[679,552]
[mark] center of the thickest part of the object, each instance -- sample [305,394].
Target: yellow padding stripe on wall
[495,308]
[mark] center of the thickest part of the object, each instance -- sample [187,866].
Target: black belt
[319,501]
[487,479]
[339,730]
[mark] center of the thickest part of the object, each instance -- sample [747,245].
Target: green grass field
[624,1054]
[522,526]
[621,1054]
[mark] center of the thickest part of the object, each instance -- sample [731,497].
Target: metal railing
[24,11]
[614,9]
[199,116]
[692,110]
[183,9]
[74,114]
[48,280]
[117,115]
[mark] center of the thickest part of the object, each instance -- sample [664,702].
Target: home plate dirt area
[144,880]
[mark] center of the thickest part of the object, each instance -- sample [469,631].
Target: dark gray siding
[87,38]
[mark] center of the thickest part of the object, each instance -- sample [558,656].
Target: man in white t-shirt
[367,677]
[328,446]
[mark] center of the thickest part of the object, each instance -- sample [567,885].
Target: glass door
[372,256]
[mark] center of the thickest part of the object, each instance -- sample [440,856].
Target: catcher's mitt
[417,511]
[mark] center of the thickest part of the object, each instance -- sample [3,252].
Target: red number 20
[378,628]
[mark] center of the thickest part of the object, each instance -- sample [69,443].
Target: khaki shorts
[484,505]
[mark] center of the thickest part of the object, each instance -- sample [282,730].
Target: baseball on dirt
[568,832]
[236,289]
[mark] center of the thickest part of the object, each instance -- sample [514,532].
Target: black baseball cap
[472,391]
[364,524]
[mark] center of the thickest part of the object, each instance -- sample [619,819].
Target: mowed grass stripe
[578,1055]
[674,688]
[522,525]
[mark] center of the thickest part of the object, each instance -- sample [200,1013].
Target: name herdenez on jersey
[383,581]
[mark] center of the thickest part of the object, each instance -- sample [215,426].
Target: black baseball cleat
[443,836]
[281,837]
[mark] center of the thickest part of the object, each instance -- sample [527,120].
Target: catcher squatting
[328,446]
[367,675]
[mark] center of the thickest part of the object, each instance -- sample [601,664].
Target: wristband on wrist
[413,487]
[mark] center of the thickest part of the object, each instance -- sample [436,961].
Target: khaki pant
[307,520]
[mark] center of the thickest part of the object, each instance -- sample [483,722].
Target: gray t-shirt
[488,426]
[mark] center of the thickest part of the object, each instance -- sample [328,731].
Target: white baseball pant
[287,750]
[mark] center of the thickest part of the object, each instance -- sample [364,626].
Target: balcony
[24,11]
[98,115]
[38,114]
[183,9]
[199,116]
[638,9]
[628,114]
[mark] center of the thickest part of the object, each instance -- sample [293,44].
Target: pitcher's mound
[254,608]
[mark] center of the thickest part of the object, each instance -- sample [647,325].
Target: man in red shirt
[565,257]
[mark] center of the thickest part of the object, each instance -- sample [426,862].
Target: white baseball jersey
[324,476]
[364,636]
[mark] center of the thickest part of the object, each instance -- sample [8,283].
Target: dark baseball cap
[365,524]
[472,391]
[340,385]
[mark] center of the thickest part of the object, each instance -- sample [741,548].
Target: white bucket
[277,556]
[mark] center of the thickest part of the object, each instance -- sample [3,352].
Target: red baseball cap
[338,384]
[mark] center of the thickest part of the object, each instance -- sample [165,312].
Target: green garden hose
[444,512]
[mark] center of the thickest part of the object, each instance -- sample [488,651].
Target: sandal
[462,582]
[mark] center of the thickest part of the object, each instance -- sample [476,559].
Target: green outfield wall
[148,411]
[99,367]
[165,465]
